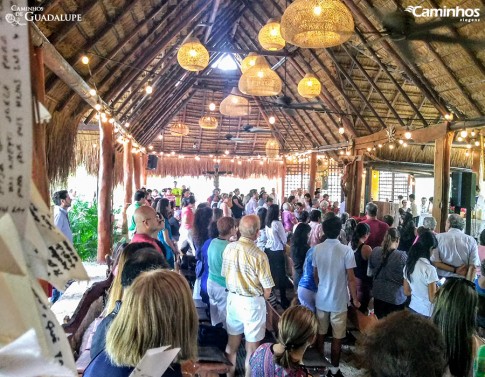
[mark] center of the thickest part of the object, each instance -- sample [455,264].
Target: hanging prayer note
[15,118]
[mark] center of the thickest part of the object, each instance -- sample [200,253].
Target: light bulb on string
[341,130]
[92,92]
[212,106]
[150,147]
[473,133]
[408,135]
[226,152]
[449,116]
[85,60]
[272,120]
[401,142]
[464,133]
[148,89]
[459,138]
[97,107]
[127,124]
[477,143]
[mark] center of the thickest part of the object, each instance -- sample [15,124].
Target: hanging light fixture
[408,134]
[235,105]
[341,130]
[309,86]
[179,129]
[270,36]
[260,80]
[272,148]
[212,106]
[208,122]
[248,62]
[317,23]
[193,56]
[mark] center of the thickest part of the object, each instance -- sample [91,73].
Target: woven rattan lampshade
[260,80]
[272,148]
[179,129]
[309,86]
[192,55]
[235,105]
[270,36]
[248,61]
[317,23]
[208,122]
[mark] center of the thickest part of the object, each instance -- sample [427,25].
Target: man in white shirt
[333,269]
[414,209]
[457,252]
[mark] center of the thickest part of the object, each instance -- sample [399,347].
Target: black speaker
[463,188]
[152,162]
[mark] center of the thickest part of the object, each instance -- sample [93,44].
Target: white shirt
[424,274]
[455,248]
[61,221]
[251,206]
[332,260]
[276,236]
[414,209]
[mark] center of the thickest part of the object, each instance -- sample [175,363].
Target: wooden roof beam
[331,55]
[106,60]
[184,20]
[340,90]
[391,77]
[421,83]
[229,15]
[374,85]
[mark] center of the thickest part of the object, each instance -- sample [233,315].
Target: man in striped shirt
[249,282]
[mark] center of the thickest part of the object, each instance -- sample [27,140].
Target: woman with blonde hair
[157,310]
[297,329]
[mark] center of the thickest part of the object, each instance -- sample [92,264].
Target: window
[297,176]
[391,185]
[226,63]
[331,181]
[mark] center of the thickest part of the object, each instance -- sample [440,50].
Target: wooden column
[105,185]
[282,182]
[355,191]
[442,162]
[144,162]
[127,181]
[39,160]
[313,173]
[136,170]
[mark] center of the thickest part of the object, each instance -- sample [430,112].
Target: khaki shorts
[337,320]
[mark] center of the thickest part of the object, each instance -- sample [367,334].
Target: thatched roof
[366,85]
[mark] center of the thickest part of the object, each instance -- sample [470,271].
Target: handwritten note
[155,362]
[15,119]
[49,254]
[23,357]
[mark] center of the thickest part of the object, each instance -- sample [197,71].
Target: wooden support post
[128,182]
[442,162]
[144,162]
[39,159]
[105,184]
[355,191]
[137,171]
[282,182]
[313,173]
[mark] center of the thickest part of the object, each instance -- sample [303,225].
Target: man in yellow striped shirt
[249,282]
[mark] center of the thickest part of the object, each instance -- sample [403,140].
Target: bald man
[249,282]
[147,223]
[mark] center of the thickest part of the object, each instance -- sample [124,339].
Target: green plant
[84,225]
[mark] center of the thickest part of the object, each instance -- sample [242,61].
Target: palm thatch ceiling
[368,82]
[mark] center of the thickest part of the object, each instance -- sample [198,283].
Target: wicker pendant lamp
[208,122]
[193,56]
[317,23]
[235,105]
[179,129]
[270,36]
[248,62]
[309,86]
[260,80]
[272,148]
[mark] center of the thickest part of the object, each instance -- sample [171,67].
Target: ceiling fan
[252,129]
[401,27]
[234,139]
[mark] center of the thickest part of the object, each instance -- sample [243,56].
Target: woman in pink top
[316,233]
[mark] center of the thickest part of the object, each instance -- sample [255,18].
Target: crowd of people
[249,249]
